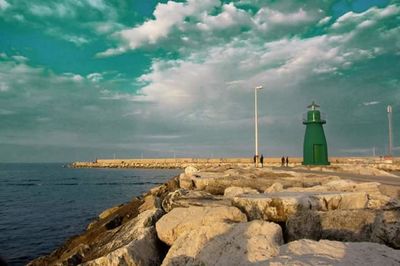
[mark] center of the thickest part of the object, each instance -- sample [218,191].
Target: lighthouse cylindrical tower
[315,150]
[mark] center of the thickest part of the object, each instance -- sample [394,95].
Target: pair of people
[285,161]
[261,160]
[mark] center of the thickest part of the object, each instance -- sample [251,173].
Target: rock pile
[243,216]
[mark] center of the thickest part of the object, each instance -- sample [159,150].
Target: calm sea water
[41,205]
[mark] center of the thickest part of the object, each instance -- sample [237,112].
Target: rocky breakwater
[244,216]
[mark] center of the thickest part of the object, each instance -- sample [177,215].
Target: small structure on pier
[315,150]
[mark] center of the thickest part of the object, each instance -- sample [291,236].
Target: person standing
[255,160]
[287,161]
[283,161]
[262,161]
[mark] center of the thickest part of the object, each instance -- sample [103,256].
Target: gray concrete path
[387,180]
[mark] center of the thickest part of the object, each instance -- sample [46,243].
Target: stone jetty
[241,215]
[358,165]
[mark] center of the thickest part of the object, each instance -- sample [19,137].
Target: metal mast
[389,111]
[256,120]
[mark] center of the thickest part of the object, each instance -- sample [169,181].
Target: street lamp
[256,120]
[389,111]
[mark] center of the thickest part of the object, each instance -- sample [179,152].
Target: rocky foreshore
[244,216]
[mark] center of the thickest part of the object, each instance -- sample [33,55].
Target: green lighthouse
[315,151]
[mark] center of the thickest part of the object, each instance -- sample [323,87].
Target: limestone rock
[186,198]
[259,179]
[275,187]
[141,251]
[341,225]
[279,206]
[325,252]
[381,226]
[380,201]
[227,244]
[134,243]
[164,189]
[185,181]
[108,212]
[181,220]
[386,228]
[189,244]
[231,192]
[376,200]
[150,202]
[190,170]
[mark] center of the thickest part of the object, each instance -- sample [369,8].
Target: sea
[42,205]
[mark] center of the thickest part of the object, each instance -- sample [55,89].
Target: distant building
[315,150]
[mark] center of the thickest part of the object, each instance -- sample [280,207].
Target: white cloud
[203,25]
[55,10]
[267,18]
[230,16]
[106,27]
[6,112]
[77,40]
[370,103]
[94,77]
[98,4]
[107,95]
[214,74]
[73,77]
[167,16]
[4,87]
[324,21]
[4,4]
[19,17]
[291,18]
[366,18]
[20,58]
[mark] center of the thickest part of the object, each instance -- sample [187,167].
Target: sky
[86,79]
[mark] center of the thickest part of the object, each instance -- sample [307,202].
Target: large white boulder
[227,244]
[376,200]
[386,228]
[186,198]
[277,207]
[325,252]
[190,170]
[275,187]
[231,192]
[134,243]
[380,226]
[258,179]
[181,220]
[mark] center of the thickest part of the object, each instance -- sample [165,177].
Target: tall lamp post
[256,121]
[389,111]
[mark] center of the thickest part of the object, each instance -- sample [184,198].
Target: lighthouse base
[316,164]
